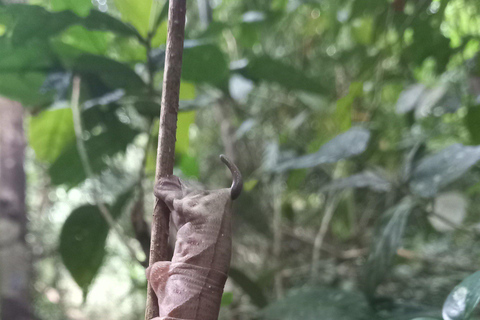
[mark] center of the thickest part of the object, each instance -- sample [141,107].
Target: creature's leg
[157,276]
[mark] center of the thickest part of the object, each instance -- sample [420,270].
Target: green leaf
[343,111]
[346,145]
[50,132]
[319,303]
[23,72]
[114,74]
[185,119]
[82,240]
[82,244]
[438,170]
[250,184]
[95,42]
[227,299]
[387,240]
[363,30]
[80,7]
[34,22]
[265,68]
[67,168]
[189,166]
[142,14]
[204,63]
[472,119]
[463,299]
[251,288]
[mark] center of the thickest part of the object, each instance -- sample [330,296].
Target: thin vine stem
[82,151]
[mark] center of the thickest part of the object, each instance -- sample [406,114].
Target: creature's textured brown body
[191,285]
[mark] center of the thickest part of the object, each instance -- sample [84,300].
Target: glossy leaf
[318,303]
[408,99]
[82,241]
[142,14]
[346,145]
[265,68]
[50,132]
[463,299]
[387,240]
[438,170]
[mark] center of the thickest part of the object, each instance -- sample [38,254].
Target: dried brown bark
[15,258]
[166,138]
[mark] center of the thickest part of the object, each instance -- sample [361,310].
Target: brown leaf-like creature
[191,285]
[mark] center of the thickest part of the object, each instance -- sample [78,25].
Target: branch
[82,151]
[166,137]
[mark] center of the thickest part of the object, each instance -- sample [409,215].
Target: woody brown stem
[166,137]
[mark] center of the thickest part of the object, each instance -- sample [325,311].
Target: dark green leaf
[114,74]
[387,240]
[265,68]
[68,169]
[319,303]
[437,171]
[463,299]
[204,63]
[34,22]
[82,240]
[252,289]
[82,244]
[343,146]
[472,119]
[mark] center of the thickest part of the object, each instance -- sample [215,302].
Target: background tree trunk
[15,258]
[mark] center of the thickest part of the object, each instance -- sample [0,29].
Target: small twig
[330,207]
[277,233]
[82,151]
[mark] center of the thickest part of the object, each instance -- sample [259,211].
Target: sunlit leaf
[50,132]
[185,119]
[187,91]
[142,14]
[387,240]
[463,299]
[438,170]
[249,184]
[189,166]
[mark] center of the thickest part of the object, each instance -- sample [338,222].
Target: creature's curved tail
[237,184]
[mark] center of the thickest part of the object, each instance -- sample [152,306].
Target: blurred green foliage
[351,120]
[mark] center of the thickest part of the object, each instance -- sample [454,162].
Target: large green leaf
[265,68]
[319,303]
[463,299]
[143,14]
[23,72]
[114,74]
[50,132]
[82,241]
[185,120]
[204,63]
[68,169]
[387,240]
[80,7]
[438,170]
[35,22]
